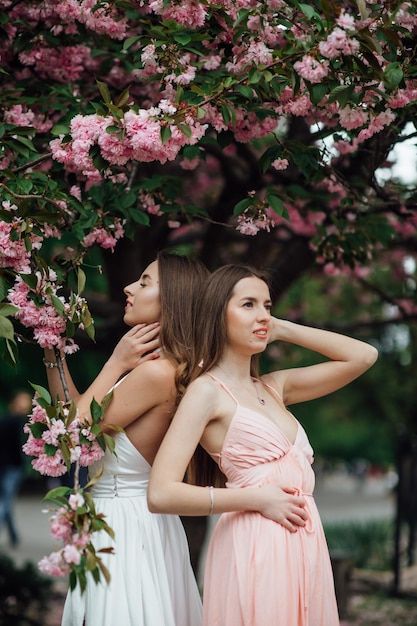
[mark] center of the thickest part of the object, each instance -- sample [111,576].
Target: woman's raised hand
[282,505]
[139,344]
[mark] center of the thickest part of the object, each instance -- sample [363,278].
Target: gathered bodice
[125,473]
[256,451]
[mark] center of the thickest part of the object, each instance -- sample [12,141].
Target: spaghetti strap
[227,390]
[274,391]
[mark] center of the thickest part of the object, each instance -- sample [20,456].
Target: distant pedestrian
[12,458]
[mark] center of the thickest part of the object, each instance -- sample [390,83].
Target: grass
[370,544]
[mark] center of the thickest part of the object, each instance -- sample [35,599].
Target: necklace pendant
[261,400]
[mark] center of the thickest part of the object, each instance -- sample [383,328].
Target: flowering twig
[58,438]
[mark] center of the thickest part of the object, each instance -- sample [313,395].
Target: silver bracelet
[211,491]
[51,364]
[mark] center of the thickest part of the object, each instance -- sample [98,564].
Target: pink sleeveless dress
[257,572]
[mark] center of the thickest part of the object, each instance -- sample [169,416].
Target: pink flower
[352,118]
[56,429]
[81,541]
[188,13]
[53,565]
[13,252]
[76,500]
[280,164]
[33,447]
[311,69]
[338,43]
[246,226]
[90,453]
[50,465]
[71,554]
[346,21]
[60,525]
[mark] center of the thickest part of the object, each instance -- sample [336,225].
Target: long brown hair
[181,284]
[210,337]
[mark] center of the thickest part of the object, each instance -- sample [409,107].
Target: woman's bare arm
[138,345]
[348,359]
[167,493]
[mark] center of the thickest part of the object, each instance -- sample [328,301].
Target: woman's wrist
[278,329]
[115,366]
[49,358]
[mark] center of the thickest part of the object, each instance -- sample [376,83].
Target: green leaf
[130,41]
[8,309]
[81,279]
[104,91]
[95,410]
[60,129]
[58,304]
[138,216]
[393,75]
[50,449]
[254,76]
[165,133]
[44,393]
[275,203]
[308,11]
[4,287]
[342,94]
[6,328]
[185,129]
[241,206]
[58,491]
[109,441]
[30,279]
[37,429]
[11,355]
[105,403]
[245,91]
[182,38]
[24,185]
[123,98]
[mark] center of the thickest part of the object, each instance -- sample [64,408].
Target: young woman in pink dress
[268,562]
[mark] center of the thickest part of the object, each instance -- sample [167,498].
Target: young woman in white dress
[152,582]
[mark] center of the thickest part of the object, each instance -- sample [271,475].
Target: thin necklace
[260,400]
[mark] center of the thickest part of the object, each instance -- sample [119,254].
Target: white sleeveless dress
[152,582]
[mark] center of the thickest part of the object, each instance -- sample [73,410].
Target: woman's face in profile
[143,305]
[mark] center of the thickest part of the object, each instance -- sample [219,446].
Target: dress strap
[227,390]
[274,391]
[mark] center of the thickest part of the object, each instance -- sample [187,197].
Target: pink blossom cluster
[13,251]
[251,221]
[254,53]
[63,64]
[48,436]
[141,140]
[47,325]
[20,115]
[338,43]
[61,16]
[105,238]
[312,69]
[187,13]
[70,524]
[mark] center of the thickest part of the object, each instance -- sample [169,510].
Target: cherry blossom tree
[238,129]
[204,123]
